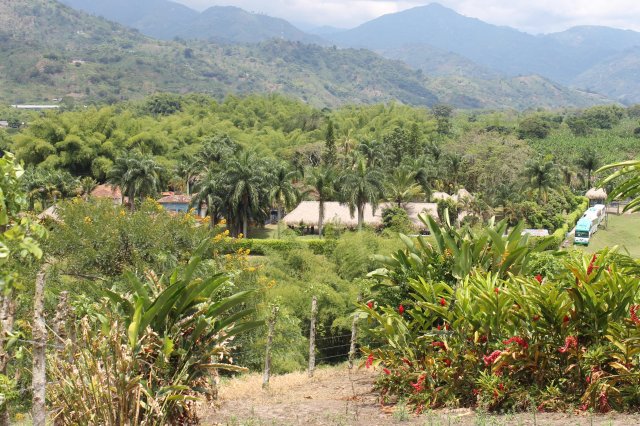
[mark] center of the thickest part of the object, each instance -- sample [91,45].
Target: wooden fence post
[39,382]
[7,318]
[267,355]
[312,336]
[354,335]
[61,317]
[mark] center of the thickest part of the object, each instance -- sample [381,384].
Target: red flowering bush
[509,341]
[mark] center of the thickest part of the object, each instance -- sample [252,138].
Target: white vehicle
[588,224]
[596,213]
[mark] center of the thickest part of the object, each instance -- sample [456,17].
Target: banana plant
[179,329]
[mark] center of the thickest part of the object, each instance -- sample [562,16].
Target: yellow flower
[222,222]
[87,219]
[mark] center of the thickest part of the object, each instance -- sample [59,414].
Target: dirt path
[338,396]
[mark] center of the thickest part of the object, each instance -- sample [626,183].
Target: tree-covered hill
[49,51]
[573,58]
[166,20]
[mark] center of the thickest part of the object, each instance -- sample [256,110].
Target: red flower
[569,343]
[386,371]
[588,379]
[401,309]
[439,345]
[584,407]
[418,386]
[447,361]
[603,403]
[482,339]
[496,290]
[536,317]
[475,391]
[591,264]
[439,327]
[490,359]
[369,361]
[370,304]
[634,314]
[566,318]
[539,278]
[501,386]
[447,326]
[443,302]
[517,339]
[406,361]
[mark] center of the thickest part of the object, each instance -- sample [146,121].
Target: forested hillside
[166,20]
[575,57]
[51,51]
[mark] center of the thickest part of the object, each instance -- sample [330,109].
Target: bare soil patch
[339,396]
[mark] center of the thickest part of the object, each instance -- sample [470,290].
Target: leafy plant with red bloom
[518,340]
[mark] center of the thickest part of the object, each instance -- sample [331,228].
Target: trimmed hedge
[262,247]
[570,221]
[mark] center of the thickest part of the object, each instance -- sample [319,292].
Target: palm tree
[361,185]
[629,185]
[401,187]
[322,182]
[187,171]
[87,185]
[568,176]
[282,193]
[372,151]
[245,181]
[136,176]
[589,161]
[208,190]
[541,176]
[454,167]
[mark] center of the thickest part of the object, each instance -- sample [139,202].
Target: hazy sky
[535,16]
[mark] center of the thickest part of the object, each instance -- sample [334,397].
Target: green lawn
[623,231]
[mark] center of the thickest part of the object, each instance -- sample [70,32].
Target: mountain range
[432,38]
[49,50]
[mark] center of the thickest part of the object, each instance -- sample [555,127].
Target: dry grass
[339,396]
[249,386]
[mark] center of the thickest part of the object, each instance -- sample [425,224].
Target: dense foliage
[479,325]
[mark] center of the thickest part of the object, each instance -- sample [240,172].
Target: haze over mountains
[227,50]
[433,38]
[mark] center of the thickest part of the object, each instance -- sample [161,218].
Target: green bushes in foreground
[483,322]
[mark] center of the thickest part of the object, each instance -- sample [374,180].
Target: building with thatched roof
[307,212]
[462,194]
[596,196]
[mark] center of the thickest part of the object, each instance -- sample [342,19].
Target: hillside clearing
[339,396]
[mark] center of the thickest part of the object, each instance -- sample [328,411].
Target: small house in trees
[177,203]
[108,192]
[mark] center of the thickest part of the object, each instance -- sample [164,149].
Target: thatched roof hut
[462,194]
[596,194]
[307,213]
[440,196]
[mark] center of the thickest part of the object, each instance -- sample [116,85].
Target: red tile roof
[175,199]
[107,191]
